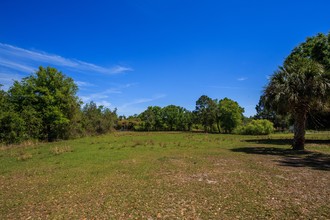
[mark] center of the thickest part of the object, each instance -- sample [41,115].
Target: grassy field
[167,176]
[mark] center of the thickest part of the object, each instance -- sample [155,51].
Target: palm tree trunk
[299,130]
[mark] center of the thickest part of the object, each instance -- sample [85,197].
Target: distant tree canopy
[302,84]
[211,115]
[226,114]
[230,114]
[97,119]
[169,118]
[206,112]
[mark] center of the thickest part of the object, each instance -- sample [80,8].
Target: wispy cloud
[16,66]
[84,84]
[121,69]
[242,78]
[27,61]
[142,100]
[101,97]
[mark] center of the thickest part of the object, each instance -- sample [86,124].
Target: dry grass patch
[23,156]
[57,150]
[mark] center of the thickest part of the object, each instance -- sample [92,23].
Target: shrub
[257,127]
[12,128]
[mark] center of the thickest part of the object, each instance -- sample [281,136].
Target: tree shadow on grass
[286,141]
[288,157]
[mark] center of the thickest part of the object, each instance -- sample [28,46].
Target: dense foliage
[302,84]
[230,114]
[281,121]
[210,115]
[257,127]
[44,106]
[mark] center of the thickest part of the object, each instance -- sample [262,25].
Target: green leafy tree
[230,114]
[206,112]
[316,48]
[158,118]
[148,118]
[186,120]
[3,99]
[171,116]
[12,126]
[98,119]
[48,102]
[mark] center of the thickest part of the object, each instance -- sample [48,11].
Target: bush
[257,127]
[12,128]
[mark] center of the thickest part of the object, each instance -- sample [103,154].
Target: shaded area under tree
[292,158]
[287,141]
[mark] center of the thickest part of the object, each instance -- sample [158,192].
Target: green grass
[168,176]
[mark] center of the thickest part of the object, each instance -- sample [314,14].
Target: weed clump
[60,150]
[23,156]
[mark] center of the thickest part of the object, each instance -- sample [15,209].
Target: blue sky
[129,54]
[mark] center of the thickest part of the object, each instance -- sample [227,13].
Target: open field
[167,176]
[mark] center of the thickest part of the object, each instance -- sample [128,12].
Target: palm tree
[299,87]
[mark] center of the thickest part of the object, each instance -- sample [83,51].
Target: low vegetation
[171,175]
[257,127]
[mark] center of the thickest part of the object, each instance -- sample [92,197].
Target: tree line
[45,105]
[210,115]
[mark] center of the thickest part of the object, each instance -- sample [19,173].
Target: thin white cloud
[121,69]
[242,78]
[84,84]
[27,61]
[142,100]
[101,97]
[16,66]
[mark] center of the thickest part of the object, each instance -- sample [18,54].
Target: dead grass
[57,150]
[23,156]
